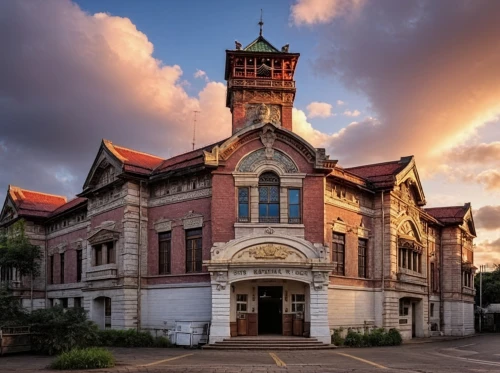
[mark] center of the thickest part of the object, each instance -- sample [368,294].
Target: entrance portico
[261,284]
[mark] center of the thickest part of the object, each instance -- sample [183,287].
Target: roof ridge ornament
[261,23]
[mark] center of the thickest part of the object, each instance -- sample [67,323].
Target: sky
[376,81]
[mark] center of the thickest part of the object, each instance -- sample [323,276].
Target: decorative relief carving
[192,220]
[262,113]
[221,278]
[163,226]
[267,138]
[269,230]
[411,244]
[252,161]
[225,153]
[103,235]
[270,251]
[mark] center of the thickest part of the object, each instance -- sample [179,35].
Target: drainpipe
[441,271]
[46,250]
[382,255]
[139,245]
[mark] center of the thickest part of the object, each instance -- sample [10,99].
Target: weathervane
[261,23]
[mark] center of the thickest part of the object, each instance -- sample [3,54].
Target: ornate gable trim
[468,224]
[269,134]
[9,211]
[105,161]
[409,175]
[103,235]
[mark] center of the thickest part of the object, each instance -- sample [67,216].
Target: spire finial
[261,23]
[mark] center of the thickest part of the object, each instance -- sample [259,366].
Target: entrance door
[270,309]
[413,320]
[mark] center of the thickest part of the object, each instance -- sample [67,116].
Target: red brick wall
[69,256]
[238,116]
[313,205]
[286,117]
[176,212]
[112,215]
[223,206]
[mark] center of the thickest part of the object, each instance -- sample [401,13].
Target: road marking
[363,360]
[477,361]
[277,360]
[164,361]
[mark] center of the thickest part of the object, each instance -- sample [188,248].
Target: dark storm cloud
[69,79]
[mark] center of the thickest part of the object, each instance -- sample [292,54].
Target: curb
[432,340]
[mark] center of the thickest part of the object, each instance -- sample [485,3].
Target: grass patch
[85,358]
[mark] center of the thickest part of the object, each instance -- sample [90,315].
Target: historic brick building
[258,233]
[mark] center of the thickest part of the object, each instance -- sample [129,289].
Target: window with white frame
[298,302]
[241,302]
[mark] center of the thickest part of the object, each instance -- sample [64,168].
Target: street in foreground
[475,354]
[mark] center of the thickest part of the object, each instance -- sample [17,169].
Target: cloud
[477,153]
[487,252]
[321,11]
[428,68]
[319,109]
[340,102]
[200,74]
[68,79]
[303,128]
[490,179]
[487,217]
[353,113]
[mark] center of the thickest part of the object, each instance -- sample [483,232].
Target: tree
[16,251]
[491,287]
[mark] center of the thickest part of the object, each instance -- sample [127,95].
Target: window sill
[265,225]
[101,267]
[178,275]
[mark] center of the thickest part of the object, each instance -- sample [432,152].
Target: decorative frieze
[181,185]
[179,197]
[254,160]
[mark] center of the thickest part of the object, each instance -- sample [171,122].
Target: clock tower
[260,84]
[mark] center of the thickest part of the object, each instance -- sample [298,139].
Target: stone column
[221,304]
[104,254]
[318,306]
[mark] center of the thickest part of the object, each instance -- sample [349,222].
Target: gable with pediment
[103,235]
[9,211]
[410,188]
[104,170]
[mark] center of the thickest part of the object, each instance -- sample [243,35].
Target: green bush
[130,338]
[55,330]
[337,339]
[353,339]
[87,358]
[376,337]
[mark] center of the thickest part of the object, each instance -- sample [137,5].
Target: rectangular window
[241,302]
[294,215]
[338,253]
[362,258]
[269,204]
[410,259]
[79,261]
[98,255]
[298,303]
[243,205]
[193,250]
[110,256]
[432,310]
[61,273]
[107,313]
[433,279]
[164,246]
[51,269]
[78,302]
[64,302]
[403,308]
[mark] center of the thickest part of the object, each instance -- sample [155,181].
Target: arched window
[269,198]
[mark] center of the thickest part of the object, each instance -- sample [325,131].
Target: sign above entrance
[262,273]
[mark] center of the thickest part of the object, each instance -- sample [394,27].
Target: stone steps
[269,344]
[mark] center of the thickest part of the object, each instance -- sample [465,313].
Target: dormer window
[269,198]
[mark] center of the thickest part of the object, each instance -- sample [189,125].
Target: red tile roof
[33,203]
[133,160]
[380,174]
[68,206]
[189,159]
[448,215]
